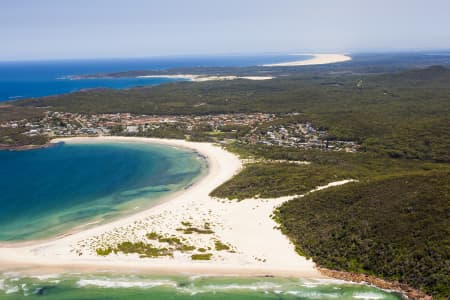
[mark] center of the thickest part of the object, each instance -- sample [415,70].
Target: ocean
[28,79]
[137,287]
[45,192]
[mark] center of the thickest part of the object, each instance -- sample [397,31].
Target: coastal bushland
[267,179]
[394,227]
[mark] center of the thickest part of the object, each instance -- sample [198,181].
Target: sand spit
[202,78]
[317,59]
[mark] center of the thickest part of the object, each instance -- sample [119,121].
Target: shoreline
[192,203]
[203,78]
[317,59]
[238,223]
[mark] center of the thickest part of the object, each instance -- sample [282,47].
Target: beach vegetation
[172,240]
[219,246]
[185,248]
[190,229]
[153,235]
[148,250]
[202,256]
[104,251]
[143,249]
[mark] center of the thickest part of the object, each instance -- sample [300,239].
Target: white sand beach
[257,247]
[202,78]
[317,59]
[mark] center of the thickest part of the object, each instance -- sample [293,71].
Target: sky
[59,29]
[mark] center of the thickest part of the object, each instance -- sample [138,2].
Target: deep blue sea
[26,79]
[45,192]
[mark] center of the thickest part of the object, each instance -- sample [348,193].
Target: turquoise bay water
[117,287]
[45,192]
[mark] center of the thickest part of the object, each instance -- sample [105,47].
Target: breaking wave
[186,287]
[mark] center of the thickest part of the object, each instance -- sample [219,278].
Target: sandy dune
[318,59]
[202,78]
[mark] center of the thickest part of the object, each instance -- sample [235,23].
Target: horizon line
[385,51]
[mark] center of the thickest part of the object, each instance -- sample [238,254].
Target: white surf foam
[367,296]
[311,294]
[111,283]
[46,276]
[11,289]
[318,282]
[253,287]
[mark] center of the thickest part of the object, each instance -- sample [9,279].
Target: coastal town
[254,128]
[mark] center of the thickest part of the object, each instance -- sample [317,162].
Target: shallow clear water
[106,286]
[48,191]
[25,79]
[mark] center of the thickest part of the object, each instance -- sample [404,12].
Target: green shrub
[221,246]
[203,256]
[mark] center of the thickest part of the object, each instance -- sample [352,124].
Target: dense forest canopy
[396,228]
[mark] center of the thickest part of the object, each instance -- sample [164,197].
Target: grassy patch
[170,240]
[148,250]
[221,246]
[104,251]
[144,250]
[203,256]
[185,248]
[189,229]
[153,235]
